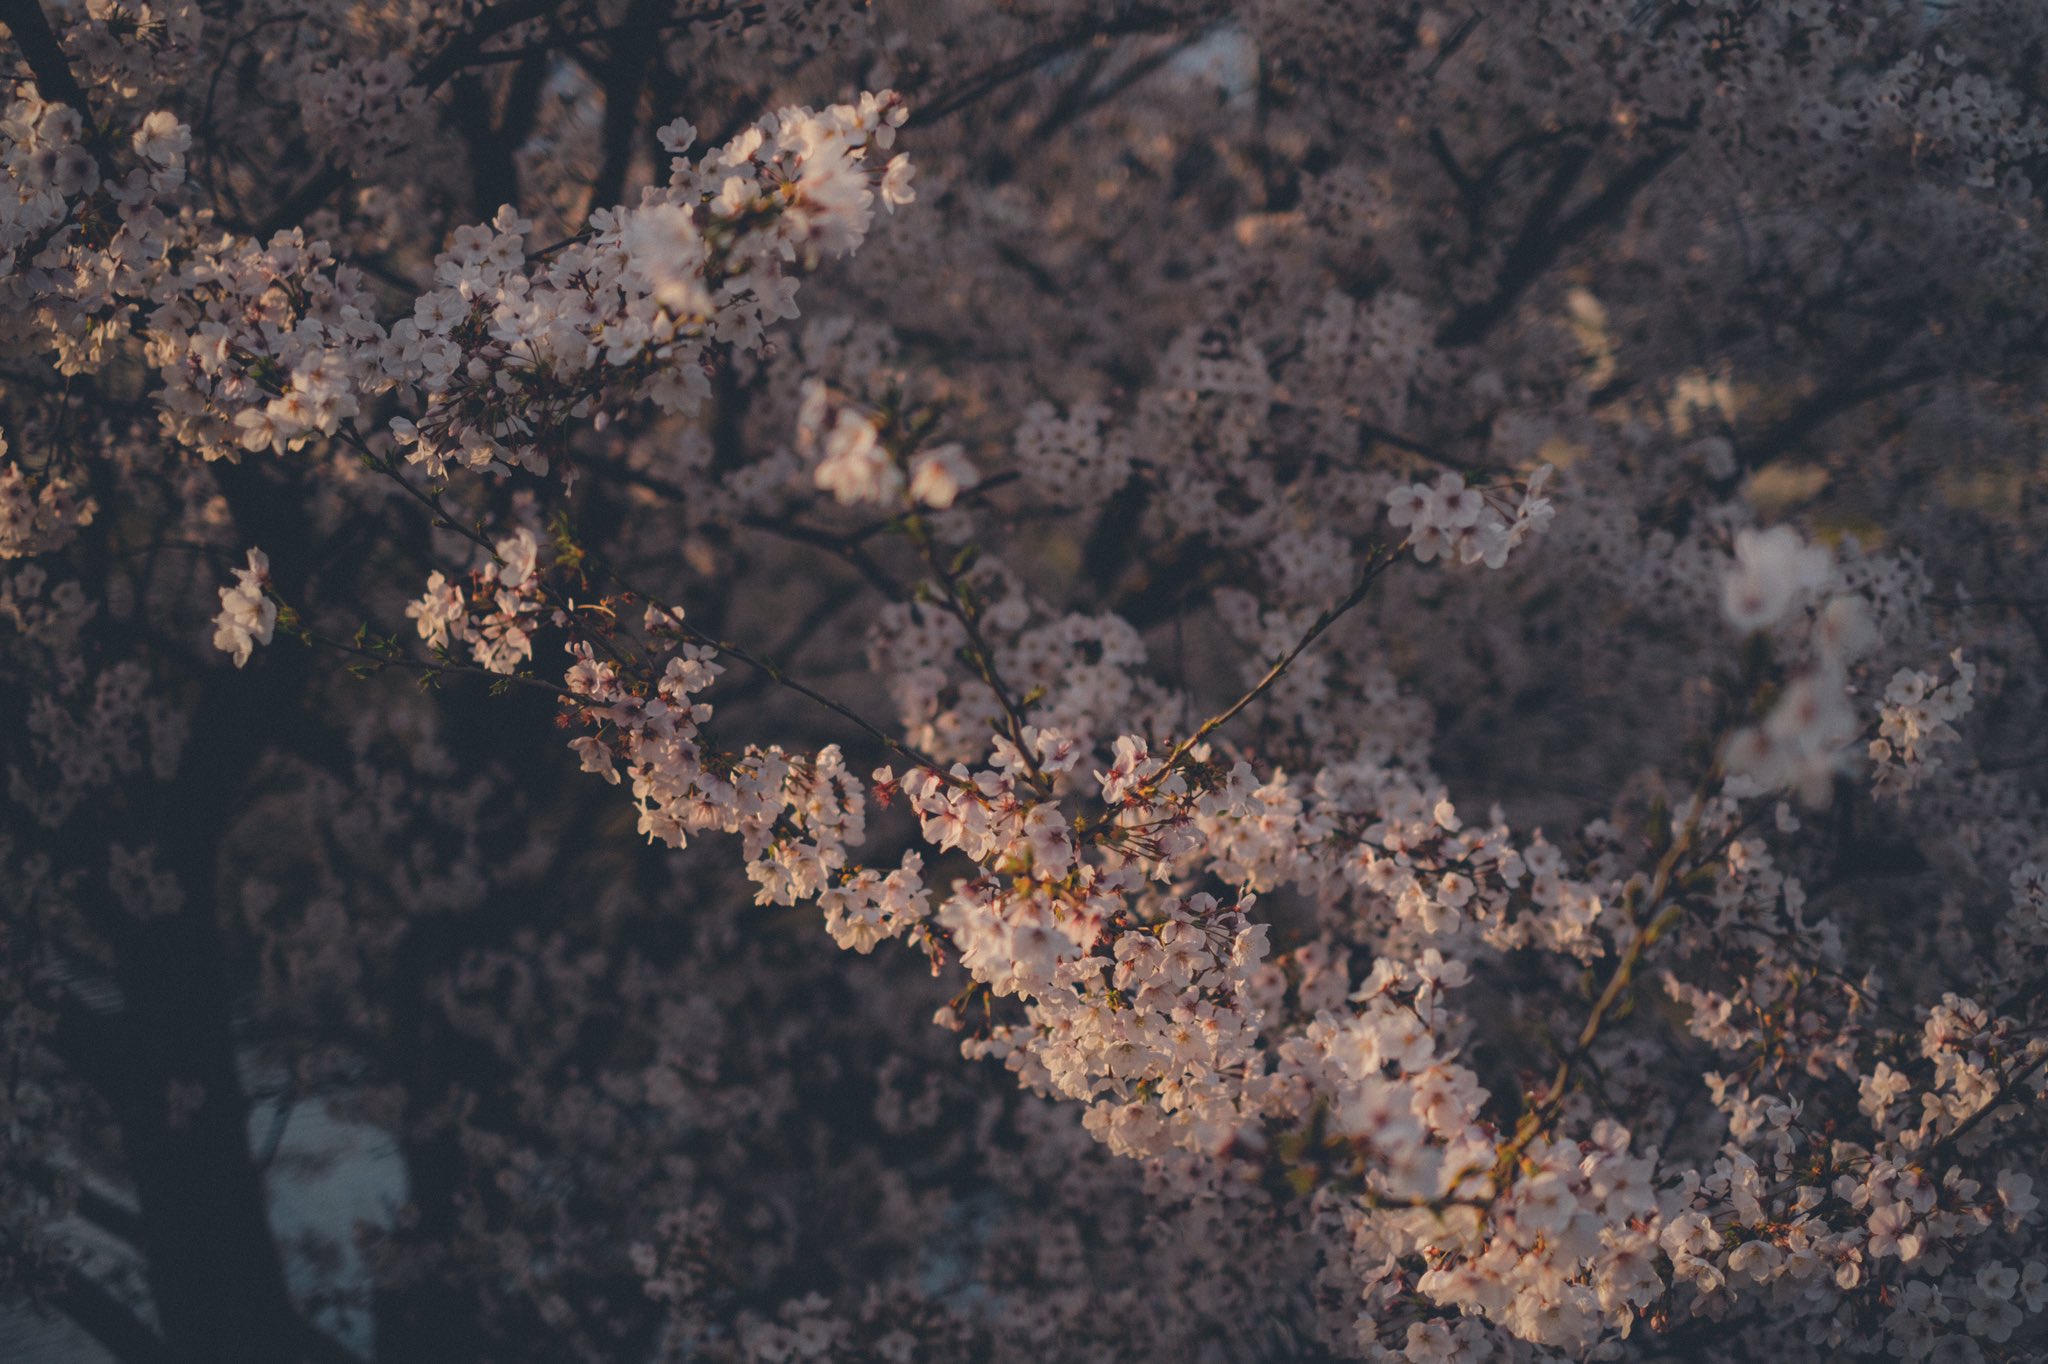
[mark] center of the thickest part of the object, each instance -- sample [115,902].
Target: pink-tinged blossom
[1365,958]
[1773,569]
[247,614]
[937,476]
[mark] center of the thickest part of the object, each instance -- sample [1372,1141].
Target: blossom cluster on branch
[488,572]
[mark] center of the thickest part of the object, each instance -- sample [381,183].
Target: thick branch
[109,1321]
[999,74]
[625,76]
[1539,243]
[46,61]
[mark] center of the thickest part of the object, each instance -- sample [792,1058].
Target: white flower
[441,613]
[163,141]
[595,757]
[1486,541]
[1429,541]
[257,429]
[1056,751]
[1772,569]
[1844,633]
[2017,1192]
[1799,747]
[896,187]
[1452,505]
[938,475]
[1052,850]
[677,137]
[2034,1285]
[519,554]
[1889,1235]
[667,257]
[1544,1204]
[1914,720]
[1407,504]
[1992,1319]
[1536,512]
[247,617]
[856,467]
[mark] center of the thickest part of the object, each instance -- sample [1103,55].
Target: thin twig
[960,605]
[1382,561]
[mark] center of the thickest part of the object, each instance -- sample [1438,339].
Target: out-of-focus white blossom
[1773,569]
[938,475]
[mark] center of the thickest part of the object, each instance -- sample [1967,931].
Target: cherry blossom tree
[1046,680]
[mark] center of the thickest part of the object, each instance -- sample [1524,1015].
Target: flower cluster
[1915,719]
[1365,961]
[856,464]
[514,346]
[1773,570]
[1465,525]
[1807,737]
[261,348]
[494,611]
[85,241]
[38,520]
[248,615]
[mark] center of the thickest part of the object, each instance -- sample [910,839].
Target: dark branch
[109,1321]
[1543,238]
[46,61]
[1001,73]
